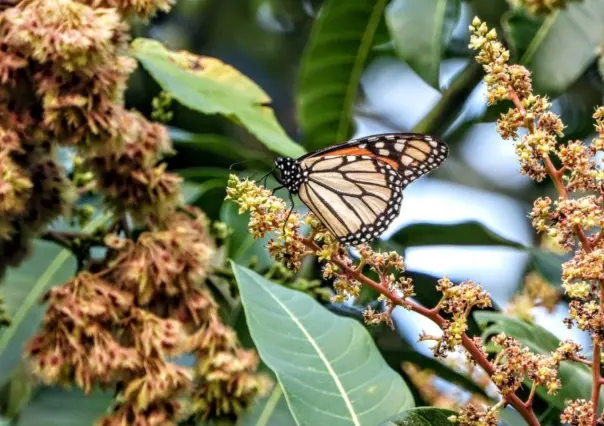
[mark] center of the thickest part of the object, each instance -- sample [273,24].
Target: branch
[468,344]
[73,241]
[556,177]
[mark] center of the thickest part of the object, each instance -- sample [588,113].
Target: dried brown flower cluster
[121,324]
[64,66]
[143,9]
[62,81]
[538,7]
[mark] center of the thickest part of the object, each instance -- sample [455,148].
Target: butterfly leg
[291,199]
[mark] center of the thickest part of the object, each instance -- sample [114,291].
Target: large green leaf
[576,378]
[188,143]
[22,288]
[489,11]
[271,410]
[212,87]
[472,233]
[422,416]
[328,366]
[421,30]
[331,68]
[575,30]
[520,29]
[56,407]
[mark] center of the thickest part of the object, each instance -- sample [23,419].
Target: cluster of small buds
[129,178]
[270,214]
[568,215]
[152,295]
[537,292]
[515,363]
[15,187]
[579,160]
[63,70]
[584,267]
[471,415]
[513,82]
[457,301]
[387,265]
[541,7]
[579,412]
[588,317]
[494,57]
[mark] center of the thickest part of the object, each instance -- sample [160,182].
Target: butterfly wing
[410,154]
[356,188]
[356,197]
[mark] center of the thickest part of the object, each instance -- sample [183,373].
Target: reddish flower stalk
[523,408]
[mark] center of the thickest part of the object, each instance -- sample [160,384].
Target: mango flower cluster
[64,65]
[575,218]
[269,214]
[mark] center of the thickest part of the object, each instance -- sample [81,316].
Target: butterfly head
[290,173]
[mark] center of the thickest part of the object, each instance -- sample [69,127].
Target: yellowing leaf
[210,86]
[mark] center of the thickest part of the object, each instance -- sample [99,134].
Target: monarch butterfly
[356,188]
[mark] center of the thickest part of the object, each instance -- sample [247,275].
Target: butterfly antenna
[247,161]
[265,177]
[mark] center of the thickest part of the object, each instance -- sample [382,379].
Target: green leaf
[18,391]
[271,410]
[22,288]
[489,11]
[421,30]
[576,378]
[396,356]
[520,29]
[422,416]
[56,407]
[575,30]
[510,417]
[329,369]
[332,64]
[213,87]
[470,233]
[242,247]
[197,143]
[548,264]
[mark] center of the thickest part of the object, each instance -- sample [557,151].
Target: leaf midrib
[357,68]
[320,353]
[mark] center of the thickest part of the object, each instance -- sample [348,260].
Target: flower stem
[556,175]
[526,412]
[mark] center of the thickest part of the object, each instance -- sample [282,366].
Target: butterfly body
[356,188]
